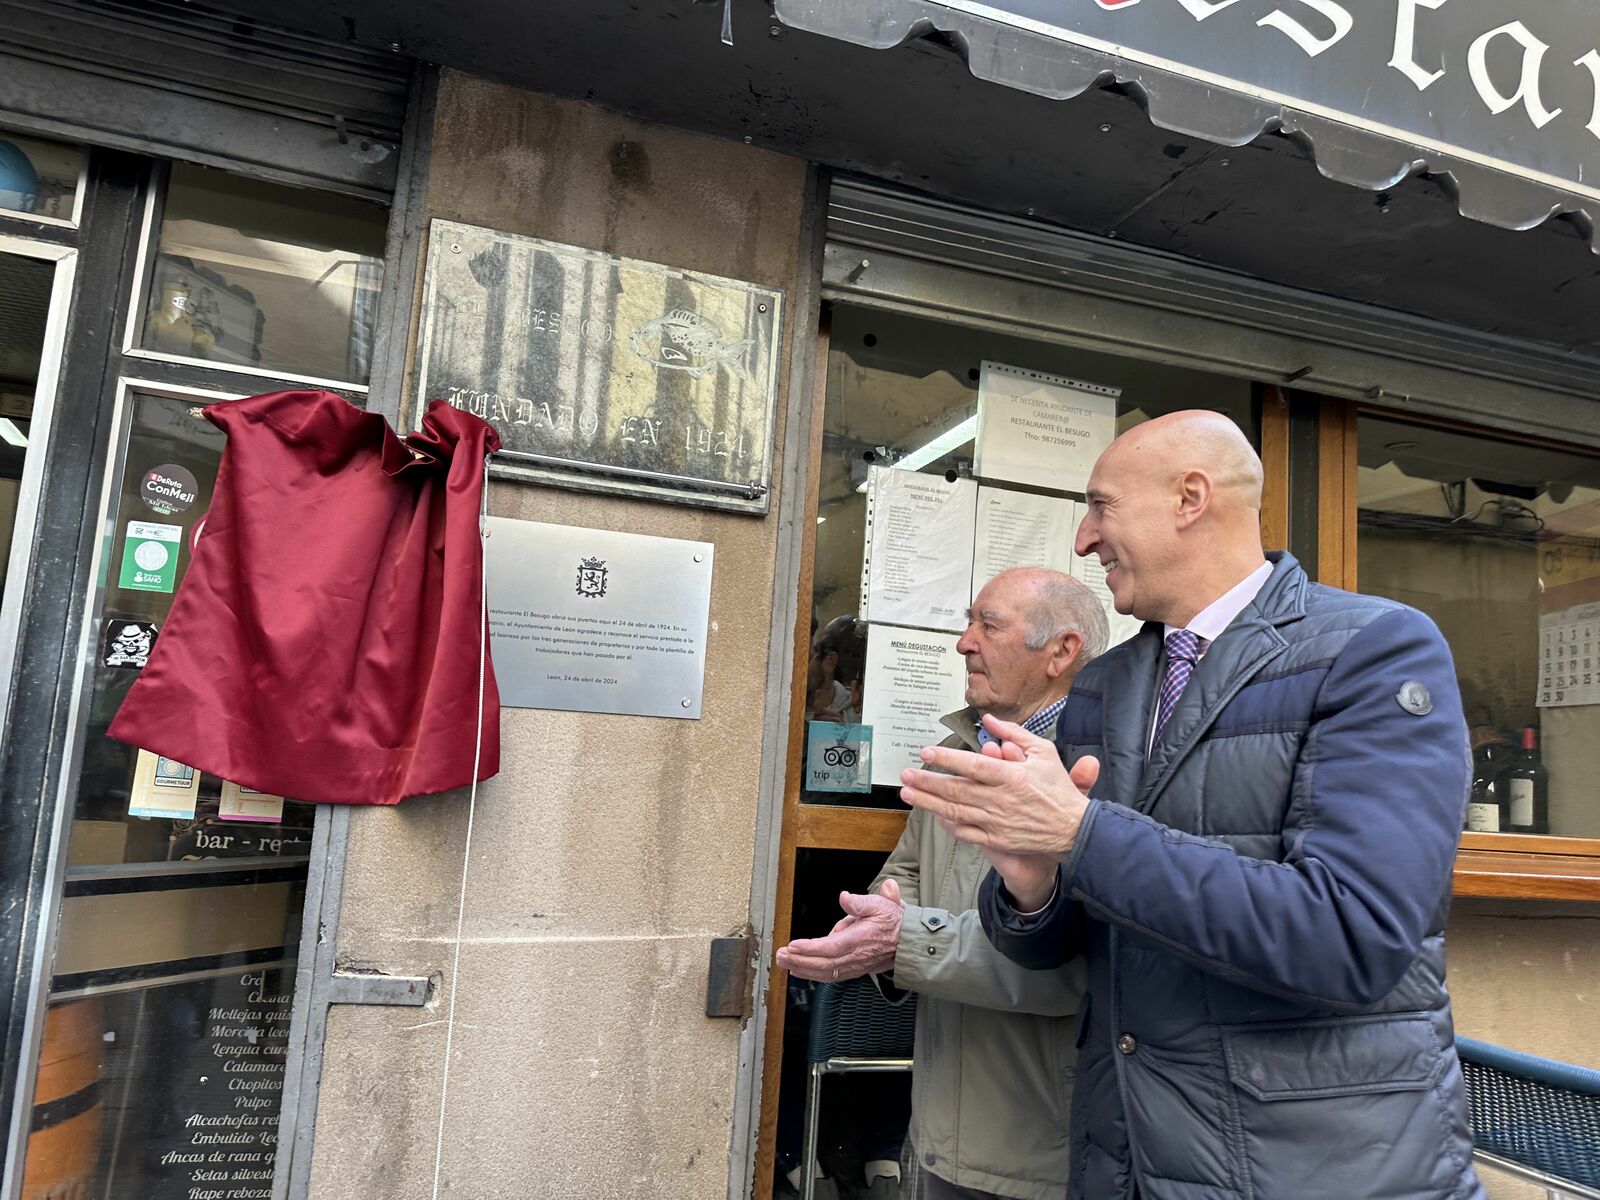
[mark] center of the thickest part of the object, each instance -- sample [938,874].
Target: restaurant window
[903,400]
[1499,542]
[902,395]
[265,277]
[39,178]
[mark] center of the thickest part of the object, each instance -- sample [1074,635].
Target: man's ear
[1195,490]
[1064,655]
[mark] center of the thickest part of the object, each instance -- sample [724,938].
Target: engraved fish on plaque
[686,341]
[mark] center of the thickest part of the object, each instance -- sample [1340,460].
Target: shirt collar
[1211,620]
[1042,723]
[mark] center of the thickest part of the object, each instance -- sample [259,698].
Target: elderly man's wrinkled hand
[863,942]
[1014,804]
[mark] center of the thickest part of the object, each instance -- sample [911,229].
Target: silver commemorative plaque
[588,620]
[602,372]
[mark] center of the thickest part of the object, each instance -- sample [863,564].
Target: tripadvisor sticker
[150,557]
[168,488]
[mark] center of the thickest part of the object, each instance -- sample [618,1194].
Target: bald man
[1245,826]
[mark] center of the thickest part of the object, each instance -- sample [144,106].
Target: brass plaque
[603,372]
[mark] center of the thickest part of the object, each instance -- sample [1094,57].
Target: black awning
[1498,99]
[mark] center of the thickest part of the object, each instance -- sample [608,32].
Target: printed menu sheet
[1041,430]
[918,568]
[1021,529]
[912,679]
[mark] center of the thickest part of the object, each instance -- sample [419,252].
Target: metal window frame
[892,249]
[76,218]
[791,513]
[139,299]
[32,755]
[40,428]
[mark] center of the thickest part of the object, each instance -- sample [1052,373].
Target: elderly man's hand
[862,943]
[1015,801]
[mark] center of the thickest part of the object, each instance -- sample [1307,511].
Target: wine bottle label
[1483,818]
[1521,803]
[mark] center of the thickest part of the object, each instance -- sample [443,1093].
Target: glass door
[167,1022]
[158,1031]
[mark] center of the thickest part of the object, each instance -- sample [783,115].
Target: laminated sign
[150,557]
[839,757]
[163,787]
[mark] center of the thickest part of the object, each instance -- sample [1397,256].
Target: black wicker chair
[1534,1117]
[853,1028]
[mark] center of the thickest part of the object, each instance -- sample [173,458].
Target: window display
[898,563]
[39,178]
[260,275]
[1499,542]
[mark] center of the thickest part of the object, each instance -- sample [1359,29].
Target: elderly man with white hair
[992,1084]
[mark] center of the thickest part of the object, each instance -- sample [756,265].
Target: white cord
[472,806]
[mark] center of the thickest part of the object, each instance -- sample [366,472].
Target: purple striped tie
[1183,652]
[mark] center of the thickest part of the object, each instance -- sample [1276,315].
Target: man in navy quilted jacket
[1251,850]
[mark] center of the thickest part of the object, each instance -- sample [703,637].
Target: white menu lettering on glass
[230,1136]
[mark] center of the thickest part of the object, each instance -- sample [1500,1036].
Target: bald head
[1174,514]
[1197,440]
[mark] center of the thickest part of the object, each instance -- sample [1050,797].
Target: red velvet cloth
[324,643]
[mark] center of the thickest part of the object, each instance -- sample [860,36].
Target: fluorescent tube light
[11,435]
[957,435]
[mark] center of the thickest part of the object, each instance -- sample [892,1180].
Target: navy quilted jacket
[1261,907]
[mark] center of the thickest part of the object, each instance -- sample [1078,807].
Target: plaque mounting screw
[455,247]
[685,702]
[763,307]
[699,558]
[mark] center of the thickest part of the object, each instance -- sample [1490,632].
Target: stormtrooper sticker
[128,643]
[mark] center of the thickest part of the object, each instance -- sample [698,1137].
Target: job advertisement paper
[918,568]
[912,679]
[1041,430]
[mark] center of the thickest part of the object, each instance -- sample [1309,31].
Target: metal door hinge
[730,981]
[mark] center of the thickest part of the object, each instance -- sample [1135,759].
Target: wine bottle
[1487,810]
[1527,786]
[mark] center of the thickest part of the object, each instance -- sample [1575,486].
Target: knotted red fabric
[324,643]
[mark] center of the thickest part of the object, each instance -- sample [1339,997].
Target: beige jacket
[992,1087]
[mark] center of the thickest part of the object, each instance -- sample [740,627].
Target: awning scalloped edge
[1060,70]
